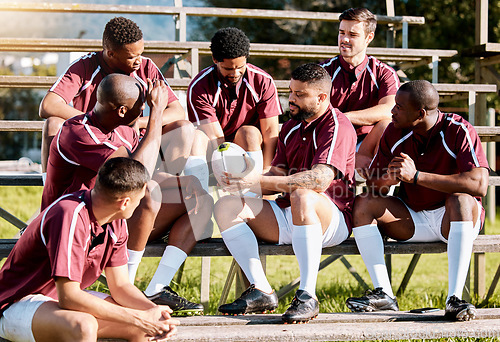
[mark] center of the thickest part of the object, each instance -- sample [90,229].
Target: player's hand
[250,178]
[157,96]
[192,192]
[402,167]
[158,324]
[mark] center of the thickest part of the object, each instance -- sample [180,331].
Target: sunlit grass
[428,286]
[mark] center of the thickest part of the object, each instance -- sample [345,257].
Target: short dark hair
[363,15]
[119,176]
[120,31]
[423,95]
[229,43]
[315,74]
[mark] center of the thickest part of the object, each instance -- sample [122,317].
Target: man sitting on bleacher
[314,168]
[85,141]
[63,251]
[439,162]
[235,101]
[74,92]
[363,88]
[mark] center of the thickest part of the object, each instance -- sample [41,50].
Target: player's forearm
[147,150]
[53,105]
[130,296]
[78,300]
[370,116]
[269,150]
[472,183]
[317,180]
[173,112]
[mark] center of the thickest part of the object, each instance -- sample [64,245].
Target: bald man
[86,141]
[439,162]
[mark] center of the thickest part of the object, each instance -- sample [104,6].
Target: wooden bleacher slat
[197,12]
[256,49]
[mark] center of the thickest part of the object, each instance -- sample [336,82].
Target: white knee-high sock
[134,259]
[258,159]
[460,240]
[371,248]
[307,244]
[197,166]
[172,259]
[242,243]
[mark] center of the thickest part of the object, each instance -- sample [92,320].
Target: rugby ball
[229,157]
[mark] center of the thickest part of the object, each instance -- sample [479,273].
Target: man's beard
[302,114]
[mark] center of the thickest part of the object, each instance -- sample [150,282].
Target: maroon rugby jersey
[78,84]
[209,100]
[360,87]
[452,147]
[329,139]
[66,241]
[77,152]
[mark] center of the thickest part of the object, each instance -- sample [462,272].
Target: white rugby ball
[229,157]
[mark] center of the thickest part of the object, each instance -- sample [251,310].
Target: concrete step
[335,327]
[338,327]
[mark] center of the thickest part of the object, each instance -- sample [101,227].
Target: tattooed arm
[318,179]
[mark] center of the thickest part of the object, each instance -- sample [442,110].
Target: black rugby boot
[178,304]
[375,300]
[459,310]
[252,300]
[302,309]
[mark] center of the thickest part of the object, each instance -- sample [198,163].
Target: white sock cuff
[258,158]
[196,158]
[235,231]
[365,231]
[134,256]
[461,225]
[306,231]
[173,257]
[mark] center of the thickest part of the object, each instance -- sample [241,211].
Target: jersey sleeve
[280,159]
[154,73]
[200,108]
[384,155]
[470,153]
[269,104]
[66,233]
[82,146]
[388,82]
[336,145]
[68,85]
[119,255]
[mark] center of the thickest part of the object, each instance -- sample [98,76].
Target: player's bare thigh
[51,323]
[309,207]
[257,213]
[390,213]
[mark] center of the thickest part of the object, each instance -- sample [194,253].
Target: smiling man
[232,100]
[74,93]
[363,88]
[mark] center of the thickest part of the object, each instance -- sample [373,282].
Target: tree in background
[450,24]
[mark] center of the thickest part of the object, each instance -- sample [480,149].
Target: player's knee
[363,203]
[150,205]
[461,205]
[226,210]
[302,199]
[182,125]
[249,137]
[51,126]
[84,329]
[200,143]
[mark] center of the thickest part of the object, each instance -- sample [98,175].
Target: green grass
[428,286]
